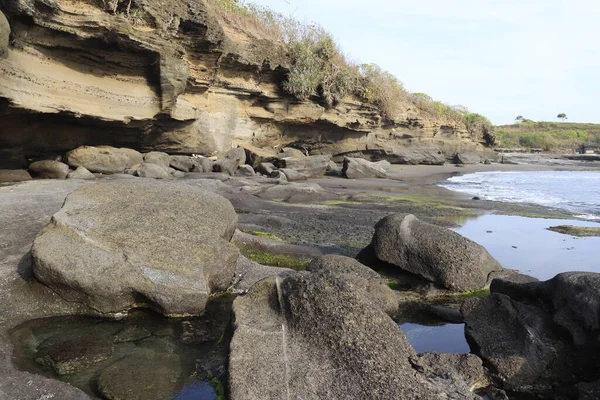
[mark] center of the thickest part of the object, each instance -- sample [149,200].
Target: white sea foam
[575,191]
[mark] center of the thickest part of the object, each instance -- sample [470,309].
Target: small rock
[81,173]
[158,158]
[476,198]
[148,170]
[49,169]
[131,333]
[245,170]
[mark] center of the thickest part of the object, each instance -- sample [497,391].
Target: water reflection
[445,338]
[526,245]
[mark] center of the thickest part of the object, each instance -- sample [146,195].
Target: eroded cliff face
[172,76]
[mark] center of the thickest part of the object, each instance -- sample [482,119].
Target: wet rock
[154,171]
[75,355]
[311,335]
[310,166]
[362,277]
[158,158]
[238,154]
[22,385]
[149,376]
[104,159]
[131,333]
[186,163]
[227,166]
[48,169]
[98,251]
[14,175]
[467,158]
[81,173]
[211,327]
[357,168]
[432,252]
[245,170]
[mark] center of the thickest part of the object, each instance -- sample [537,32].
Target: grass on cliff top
[580,231]
[549,136]
[318,69]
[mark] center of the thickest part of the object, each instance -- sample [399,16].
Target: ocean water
[578,192]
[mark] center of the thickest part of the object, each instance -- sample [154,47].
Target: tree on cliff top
[562,116]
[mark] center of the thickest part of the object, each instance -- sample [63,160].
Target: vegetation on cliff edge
[549,136]
[318,69]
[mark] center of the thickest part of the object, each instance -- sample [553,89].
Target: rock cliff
[173,76]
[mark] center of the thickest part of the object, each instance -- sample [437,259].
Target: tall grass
[319,69]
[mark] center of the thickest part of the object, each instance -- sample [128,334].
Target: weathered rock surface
[312,336]
[187,164]
[148,170]
[296,193]
[227,166]
[290,175]
[49,169]
[245,170]
[104,159]
[539,336]
[363,278]
[97,250]
[265,168]
[238,154]
[256,156]
[81,173]
[432,252]
[310,166]
[14,175]
[357,168]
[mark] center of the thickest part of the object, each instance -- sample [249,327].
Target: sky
[499,58]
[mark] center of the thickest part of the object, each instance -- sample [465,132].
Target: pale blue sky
[500,58]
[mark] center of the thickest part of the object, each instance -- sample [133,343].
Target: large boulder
[256,156]
[437,254]
[310,166]
[126,243]
[414,155]
[356,168]
[49,169]
[296,193]
[104,159]
[4,35]
[539,336]
[227,166]
[311,335]
[238,154]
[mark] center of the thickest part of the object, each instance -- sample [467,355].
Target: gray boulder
[310,166]
[333,168]
[227,166]
[205,165]
[311,335]
[126,243]
[256,156]
[186,164]
[49,169]
[414,155]
[238,154]
[467,158]
[155,171]
[357,168]
[81,173]
[14,175]
[158,158]
[437,254]
[4,35]
[279,175]
[296,193]
[104,159]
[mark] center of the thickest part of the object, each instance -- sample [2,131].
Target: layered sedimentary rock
[180,79]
